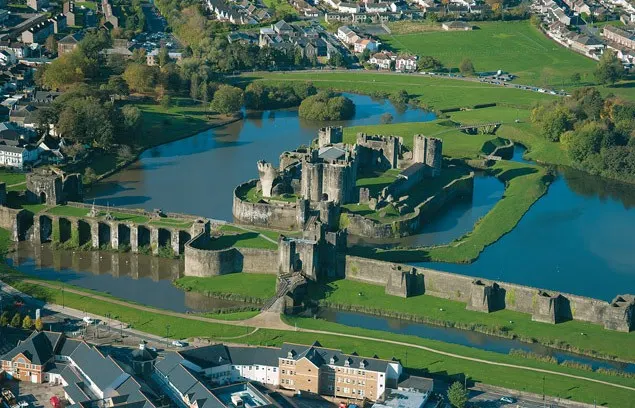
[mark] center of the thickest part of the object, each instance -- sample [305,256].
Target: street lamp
[167,334]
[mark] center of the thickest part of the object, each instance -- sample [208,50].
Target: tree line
[598,133]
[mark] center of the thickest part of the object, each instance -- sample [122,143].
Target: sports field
[514,47]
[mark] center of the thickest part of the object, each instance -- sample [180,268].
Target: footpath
[272,320]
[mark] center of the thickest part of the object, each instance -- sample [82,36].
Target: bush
[228,99]
[327,106]
[262,96]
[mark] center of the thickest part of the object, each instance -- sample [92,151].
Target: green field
[373,299]
[515,47]
[12,177]
[253,285]
[434,93]
[67,210]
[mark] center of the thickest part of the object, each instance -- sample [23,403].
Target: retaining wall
[366,227]
[10,220]
[270,215]
[515,297]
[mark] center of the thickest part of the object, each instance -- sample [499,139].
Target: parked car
[507,400]
[177,343]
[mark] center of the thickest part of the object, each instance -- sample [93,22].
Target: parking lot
[37,395]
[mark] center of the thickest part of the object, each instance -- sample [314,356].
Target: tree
[39,325]
[116,86]
[228,99]
[166,101]
[4,319]
[74,150]
[89,176]
[66,70]
[51,44]
[139,77]
[428,63]
[386,118]
[132,118]
[17,319]
[555,122]
[466,67]
[576,78]
[27,323]
[457,395]
[125,154]
[194,86]
[163,56]
[326,106]
[609,69]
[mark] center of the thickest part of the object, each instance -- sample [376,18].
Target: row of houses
[359,42]
[386,60]
[312,41]
[243,12]
[215,376]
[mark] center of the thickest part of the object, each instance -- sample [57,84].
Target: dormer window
[363,363]
[290,354]
[332,360]
[347,362]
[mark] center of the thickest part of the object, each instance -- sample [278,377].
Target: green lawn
[253,285]
[185,118]
[67,210]
[515,47]
[435,93]
[12,177]
[347,294]
[280,6]
[244,239]
[88,4]
[232,316]
[34,208]
[172,223]
[253,195]
[416,360]
[132,218]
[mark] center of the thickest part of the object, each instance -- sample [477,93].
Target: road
[265,320]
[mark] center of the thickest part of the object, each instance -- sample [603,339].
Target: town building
[59,23]
[37,5]
[38,33]
[619,36]
[382,60]
[152,58]
[69,43]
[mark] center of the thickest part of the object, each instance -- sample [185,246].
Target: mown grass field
[417,361]
[373,299]
[254,285]
[516,47]
[435,93]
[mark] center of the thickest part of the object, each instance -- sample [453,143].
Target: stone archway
[184,237]
[42,197]
[103,230]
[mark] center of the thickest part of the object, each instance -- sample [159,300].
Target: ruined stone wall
[525,299]
[380,151]
[254,260]
[366,227]
[271,215]
[10,220]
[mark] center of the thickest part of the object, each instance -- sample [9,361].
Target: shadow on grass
[509,174]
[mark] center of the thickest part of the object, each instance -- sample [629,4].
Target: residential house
[59,23]
[379,7]
[70,42]
[69,12]
[4,16]
[7,57]
[362,45]
[456,26]
[38,33]
[24,115]
[350,8]
[37,5]
[242,38]
[305,8]
[11,134]
[347,35]
[152,58]
[586,44]
[406,63]
[619,36]
[18,157]
[19,49]
[382,60]
[283,28]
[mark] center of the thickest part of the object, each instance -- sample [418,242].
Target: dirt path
[271,320]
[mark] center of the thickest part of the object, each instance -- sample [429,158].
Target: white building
[382,60]
[14,156]
[406,63]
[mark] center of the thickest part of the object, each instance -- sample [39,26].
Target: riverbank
[245,287]
[419,356]
[361,297]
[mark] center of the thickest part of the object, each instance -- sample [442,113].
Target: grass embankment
[13,177]
[364,297]
[416,360]
[435,93]
[516,47]
[71,211]
[234,285]
[253,195]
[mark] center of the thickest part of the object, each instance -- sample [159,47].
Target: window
[284,371]
[347,390]
[348,380]
[338,389]
[275,370]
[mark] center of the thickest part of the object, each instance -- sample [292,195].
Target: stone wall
[270,215]
[11,220]
[543,305]
[203,262]
[366,227]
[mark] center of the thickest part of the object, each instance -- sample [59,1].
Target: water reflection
[139,278]
[462,337]
[197,175]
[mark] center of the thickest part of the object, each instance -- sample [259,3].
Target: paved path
[271,320]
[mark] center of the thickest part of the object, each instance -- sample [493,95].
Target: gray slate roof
[208,356]
[266,356]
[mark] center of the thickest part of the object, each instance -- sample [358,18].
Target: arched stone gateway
[165,237]
[84,232]
[65,229]
[143,238]
[124,233]
[103,235]
[184,237]
[45,228]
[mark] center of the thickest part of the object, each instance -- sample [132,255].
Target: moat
[149,282]
[566,241]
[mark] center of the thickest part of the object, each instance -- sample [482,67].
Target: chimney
[142,345]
